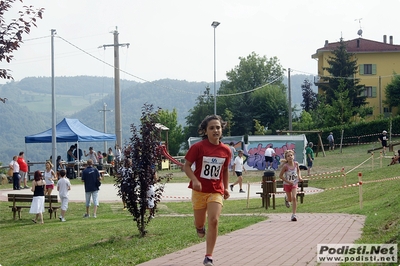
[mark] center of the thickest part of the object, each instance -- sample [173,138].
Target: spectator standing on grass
[310,157]
[23,170]
[383,140]
[238,169]
[331,141]
[37,205]
[77,152]
[209,180]
[15,168]
[49,177]
[100,157]
[91,179]
[233,150]
[63,186]
[117,153]
[268,155]
[59,163]
[92,155]
[70,154]
[110,160]
[290,175]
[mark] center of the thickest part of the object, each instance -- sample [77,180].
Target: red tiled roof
[362,45]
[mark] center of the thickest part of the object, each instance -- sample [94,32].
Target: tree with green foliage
[12,32]
[342,69]
[305,122]
[204,106]
[258,128]
[255,76]
[340,111]
[310,100]
[228,117]
[392,91]
[175,132]
[270,106]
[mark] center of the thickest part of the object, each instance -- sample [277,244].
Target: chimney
[391,39]
[326,43]
[384,38]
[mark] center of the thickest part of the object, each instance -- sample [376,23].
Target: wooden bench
[302,185]
[18,198]
[266,195]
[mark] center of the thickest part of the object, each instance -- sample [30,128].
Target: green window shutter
[373,69]
[361,69]
[373,92]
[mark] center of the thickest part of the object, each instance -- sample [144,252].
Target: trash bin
[269,188]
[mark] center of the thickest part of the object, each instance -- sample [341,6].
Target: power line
[200,94]
[244,92]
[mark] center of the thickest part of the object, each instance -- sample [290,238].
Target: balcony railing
[318,81]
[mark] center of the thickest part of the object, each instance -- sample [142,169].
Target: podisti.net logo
[357,253]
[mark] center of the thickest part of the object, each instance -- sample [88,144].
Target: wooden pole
[341,141]
[248,194]
[344,176]
[372,160]
[320,143]
[380,159]
[360,188]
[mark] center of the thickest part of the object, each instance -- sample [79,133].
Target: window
[387,109]
[367,69]
[369,92]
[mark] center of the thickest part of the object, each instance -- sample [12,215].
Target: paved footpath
[276,241]
[172,192]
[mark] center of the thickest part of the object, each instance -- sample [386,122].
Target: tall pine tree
[342,69]
[310,101]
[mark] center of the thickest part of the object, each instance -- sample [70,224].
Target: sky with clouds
[174,38]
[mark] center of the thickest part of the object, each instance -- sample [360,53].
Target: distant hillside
[28,109]
[296,81]
[166,94]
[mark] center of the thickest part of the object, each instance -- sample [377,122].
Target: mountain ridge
[83,97]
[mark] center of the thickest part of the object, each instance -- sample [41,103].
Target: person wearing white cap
[383,140]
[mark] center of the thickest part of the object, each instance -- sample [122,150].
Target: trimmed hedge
[361,132]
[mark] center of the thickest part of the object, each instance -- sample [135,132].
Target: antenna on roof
[359,32]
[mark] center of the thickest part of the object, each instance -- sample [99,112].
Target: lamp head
[215,24]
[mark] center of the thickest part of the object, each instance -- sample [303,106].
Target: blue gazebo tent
[70,130]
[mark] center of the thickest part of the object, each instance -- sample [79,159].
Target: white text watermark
[357,253]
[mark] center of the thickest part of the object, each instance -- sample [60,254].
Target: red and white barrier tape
[381,180]
[362,136]
[324,177]
[326,173]
[359,165]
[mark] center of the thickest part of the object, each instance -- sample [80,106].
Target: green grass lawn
[113,238]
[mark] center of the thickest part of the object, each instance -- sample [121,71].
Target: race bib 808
[211,167]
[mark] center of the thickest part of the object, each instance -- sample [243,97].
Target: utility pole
[104,119]
[53,105]
[117,92]
[290,101]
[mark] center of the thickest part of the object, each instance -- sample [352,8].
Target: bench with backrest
[266,194]
[16,199]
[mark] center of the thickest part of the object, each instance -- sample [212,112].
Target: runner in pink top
[290,174]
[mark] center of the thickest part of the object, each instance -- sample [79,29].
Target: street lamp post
[214,25]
